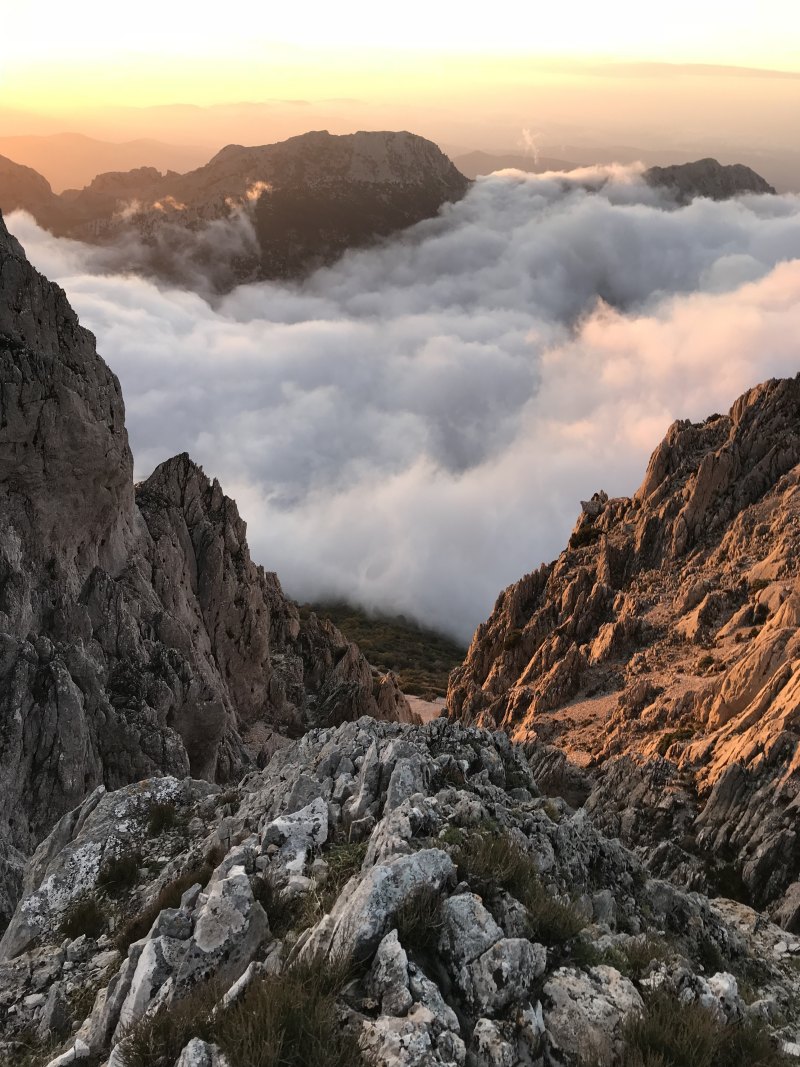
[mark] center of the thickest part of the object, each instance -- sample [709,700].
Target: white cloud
[415,426]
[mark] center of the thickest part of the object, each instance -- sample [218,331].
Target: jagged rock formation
[660,652]
[309,198]
[470,920]
[709,178]
[137,637]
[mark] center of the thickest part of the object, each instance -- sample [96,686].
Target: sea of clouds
[414,427]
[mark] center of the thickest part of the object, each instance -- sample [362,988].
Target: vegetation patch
[161,817]
[344,859]
[287,1020]
[85,915]
[668,739]
[494,861]
[419,921]
[168,897]
[290,1020]
[586,535]
[421,658]
[670,1033]
[157,1040]
[119,873]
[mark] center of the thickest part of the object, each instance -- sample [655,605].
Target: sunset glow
[84,55]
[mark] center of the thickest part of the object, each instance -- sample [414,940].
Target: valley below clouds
[414,427]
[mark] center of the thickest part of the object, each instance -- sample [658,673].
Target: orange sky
[65,57]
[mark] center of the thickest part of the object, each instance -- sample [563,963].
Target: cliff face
[137,637]
[660,652]
[310,198]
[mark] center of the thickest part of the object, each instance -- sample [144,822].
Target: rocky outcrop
[708,178]
[309,199]
[449,913]
[659,652]
[137,637]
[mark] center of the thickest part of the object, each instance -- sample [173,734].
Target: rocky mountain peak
[709,178]
[658,652]
[295,205]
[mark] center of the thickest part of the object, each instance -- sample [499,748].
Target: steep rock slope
[383,895]
[709,178]
[660,651]
[136,634]
[309,198]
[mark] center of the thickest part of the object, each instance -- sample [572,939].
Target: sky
[561,67]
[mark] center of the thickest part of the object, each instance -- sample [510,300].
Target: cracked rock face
[483,978]
[659,652]
[137,637]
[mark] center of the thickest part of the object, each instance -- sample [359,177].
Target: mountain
[707,177]
[23,188]
[72,160]
[137,636]
[659,653]
[474,164]
[381,895]
[309,198]
[364,890]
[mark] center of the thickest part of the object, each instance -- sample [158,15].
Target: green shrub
[667,739]
[161,817]
[119,873]
[85,915]
[229,797]
[552,922]
[344,859]
[30,1050]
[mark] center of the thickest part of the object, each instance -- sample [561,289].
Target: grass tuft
[490,861]
[419,921]
[119,873]
[161,817]
[290,1020]
[85,915]
[670,1033]
[168,897]
[287,1020]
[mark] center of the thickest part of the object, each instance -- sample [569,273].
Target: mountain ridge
[138,637]
[657,651]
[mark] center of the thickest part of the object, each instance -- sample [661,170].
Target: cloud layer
[415,426]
